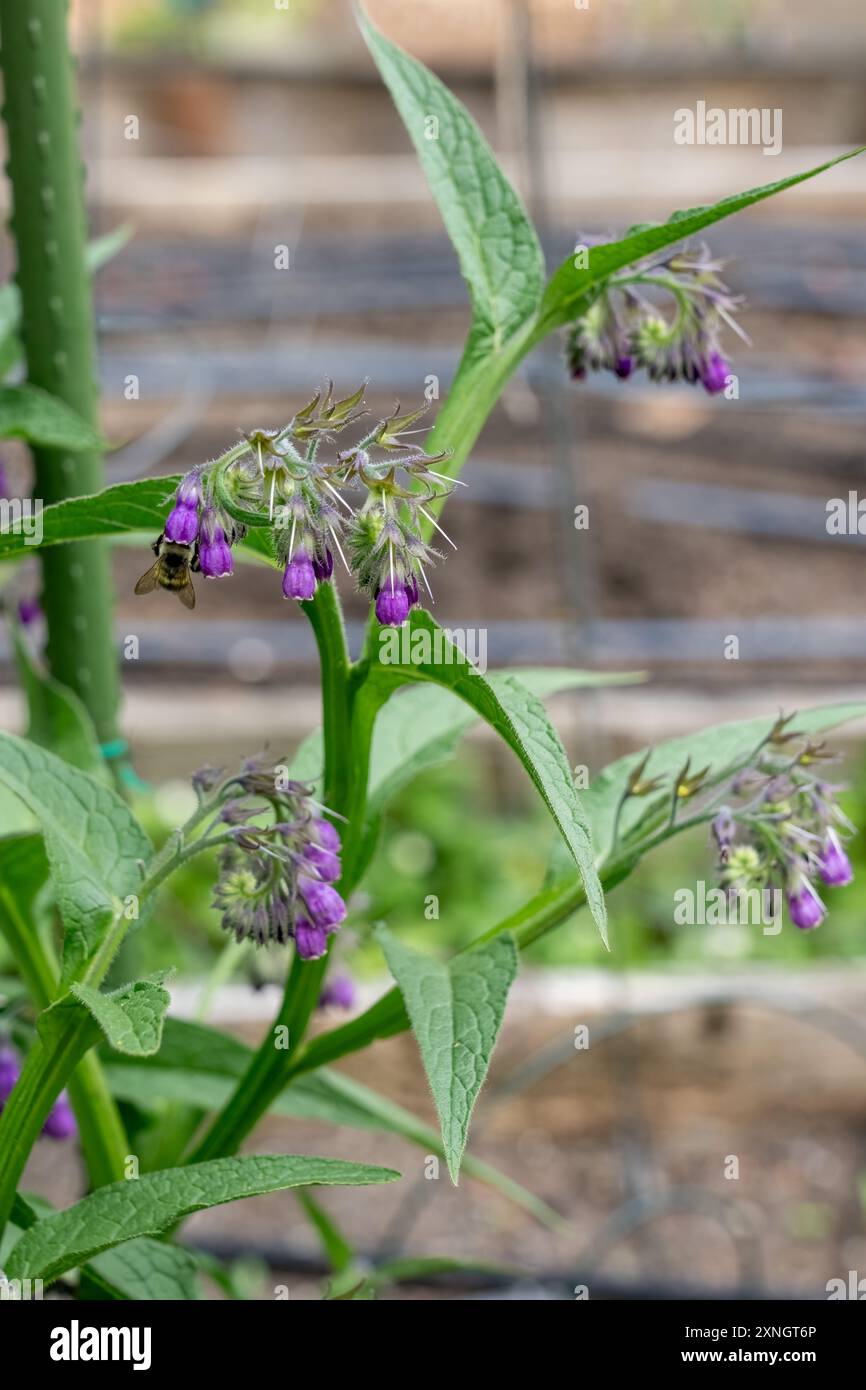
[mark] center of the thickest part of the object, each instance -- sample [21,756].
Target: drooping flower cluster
[278,482]
[784,828]
[279,862]
[624,328]
[196,521]
[60,1123]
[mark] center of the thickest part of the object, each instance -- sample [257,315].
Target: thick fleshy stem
[48,224]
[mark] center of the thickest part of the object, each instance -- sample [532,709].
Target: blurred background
[224,130]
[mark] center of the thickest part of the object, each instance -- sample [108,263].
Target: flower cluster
[279,861]
[279,482]
[784,828]
[196,521]
[623,329]
[60,1123]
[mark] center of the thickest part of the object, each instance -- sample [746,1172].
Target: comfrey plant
[163,1106]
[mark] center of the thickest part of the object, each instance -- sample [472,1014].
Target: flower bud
[311,941]
[834,863]
[323,902]
[299,580]
[392,605]
[806,908]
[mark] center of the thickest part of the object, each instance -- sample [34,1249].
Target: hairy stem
[344,764]
[48,224]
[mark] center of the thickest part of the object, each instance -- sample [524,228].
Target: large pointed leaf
[456,1010]
[124,510]
[151,1204]
[421,652]
[496,243]
[572,286]
[94,843]
[200,1067]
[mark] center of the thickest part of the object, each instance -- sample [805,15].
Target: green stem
[347,730]
[476,388]
[45,1073]
[103,1139]
[326,619]
[48,223]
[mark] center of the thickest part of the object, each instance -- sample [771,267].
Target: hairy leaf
[456,1010]
[496,244]
[93,841]
[421,652]
[149,1205]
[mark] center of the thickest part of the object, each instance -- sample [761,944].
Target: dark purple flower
[9,1074]
[806,909]
[61,1121]
[392,605]
[327,835]
[299,580]
[214,551]
[714,373]
[324,861]
[323,564]
[182,524]
[338,993]
[412,593]
[623,367]
[323,902]
[835,865]
[311,941]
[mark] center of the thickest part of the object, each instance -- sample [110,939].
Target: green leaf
[200,1067]
[140,1269]
[140,506]
[93,841]
[27,412]
[125,510]
[456,1010]
[338,1252]
[143,1269]
[151,1204]
[421,652]
[723,747]
[496,244]
[130,1017]
[57,718]
[422,726]
[570,288]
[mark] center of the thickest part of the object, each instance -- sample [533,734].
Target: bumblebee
[171,570]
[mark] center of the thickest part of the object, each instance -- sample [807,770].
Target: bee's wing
[187,594]
[149,580]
